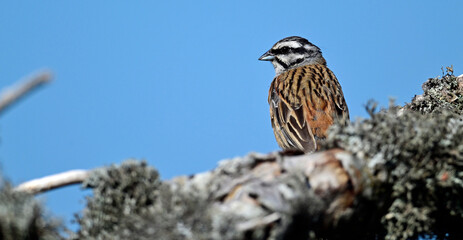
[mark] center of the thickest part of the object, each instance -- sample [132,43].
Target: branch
[12,94]
[396,175]
[53,181]
[393,176]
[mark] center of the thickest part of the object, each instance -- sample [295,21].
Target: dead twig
[53,181]
[12,94]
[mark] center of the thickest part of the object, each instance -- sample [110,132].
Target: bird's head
[293,52]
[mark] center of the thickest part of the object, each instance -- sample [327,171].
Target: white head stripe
[291,44]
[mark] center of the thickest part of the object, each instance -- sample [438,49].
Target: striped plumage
[305,97]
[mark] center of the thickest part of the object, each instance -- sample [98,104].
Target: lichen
[23,218]
[415,159]
[130,202]
[440,94]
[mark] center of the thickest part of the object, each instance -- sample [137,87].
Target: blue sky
[178,83]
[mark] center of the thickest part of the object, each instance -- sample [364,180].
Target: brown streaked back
[304,103]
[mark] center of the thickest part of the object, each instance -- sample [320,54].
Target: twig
[12,94]
[257,223]
[53,181]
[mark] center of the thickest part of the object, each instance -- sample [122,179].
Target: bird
[305,96]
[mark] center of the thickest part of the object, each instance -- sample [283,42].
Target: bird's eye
[286,48]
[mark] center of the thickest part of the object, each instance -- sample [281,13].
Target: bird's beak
[267,56]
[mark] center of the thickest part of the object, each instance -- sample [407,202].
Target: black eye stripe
[285,50]
[299,50]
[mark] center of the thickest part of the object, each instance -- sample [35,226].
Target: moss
[21,217]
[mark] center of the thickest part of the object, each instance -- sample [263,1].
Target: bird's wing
[288,117]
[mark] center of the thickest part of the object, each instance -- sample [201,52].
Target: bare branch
[12,94]
[53,181]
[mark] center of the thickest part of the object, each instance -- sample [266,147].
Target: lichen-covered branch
[256,195]
[397,175]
